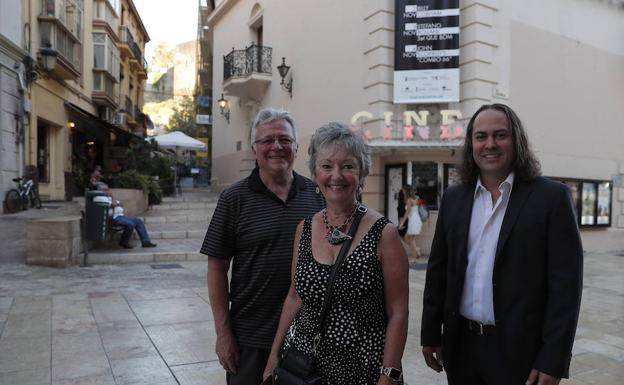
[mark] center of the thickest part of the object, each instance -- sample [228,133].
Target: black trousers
[478,361]
[250,366]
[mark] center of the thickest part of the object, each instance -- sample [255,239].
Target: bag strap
[361,210]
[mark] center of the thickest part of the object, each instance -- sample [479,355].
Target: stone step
[167,251]
[152,217]
[208,198]
[183,206]
[177,234]
[173,229]
[167,234]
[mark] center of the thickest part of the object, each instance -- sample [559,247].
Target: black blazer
[537,276]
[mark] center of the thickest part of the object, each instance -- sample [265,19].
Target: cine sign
[448,130]
[203,119]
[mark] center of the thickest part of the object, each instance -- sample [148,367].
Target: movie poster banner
[426,56]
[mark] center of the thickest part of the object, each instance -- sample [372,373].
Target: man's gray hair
[339,135]
[270,114]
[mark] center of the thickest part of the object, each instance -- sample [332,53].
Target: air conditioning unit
[120,119]
[106,113]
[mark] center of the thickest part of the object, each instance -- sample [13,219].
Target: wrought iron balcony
[129,110]
[255,58]
[247,72]
[136,50]
[127,41]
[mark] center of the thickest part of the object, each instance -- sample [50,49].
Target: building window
[106,11]
[105,55]
[61,29]
[68,12]
[592,200]
[115,5]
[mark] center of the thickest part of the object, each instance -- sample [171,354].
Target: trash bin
[96,214]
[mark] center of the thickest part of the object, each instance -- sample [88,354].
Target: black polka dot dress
[351,347]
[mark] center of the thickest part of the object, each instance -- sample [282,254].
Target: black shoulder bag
[297,367]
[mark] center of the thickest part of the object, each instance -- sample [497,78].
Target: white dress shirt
[477,300]
[116,211]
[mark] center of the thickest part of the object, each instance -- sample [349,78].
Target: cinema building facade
[409,74]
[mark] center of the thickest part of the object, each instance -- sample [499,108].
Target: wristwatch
[393,373]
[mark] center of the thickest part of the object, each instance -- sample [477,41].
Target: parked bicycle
[24,196]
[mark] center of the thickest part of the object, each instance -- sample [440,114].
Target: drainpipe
[20,129]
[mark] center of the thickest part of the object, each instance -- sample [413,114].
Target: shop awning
[95,123]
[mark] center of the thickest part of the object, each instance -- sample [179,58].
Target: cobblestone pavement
[151,324]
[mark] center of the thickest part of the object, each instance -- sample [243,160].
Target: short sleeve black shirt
[255,229]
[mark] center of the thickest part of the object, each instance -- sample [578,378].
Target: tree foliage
[163,57]
[183,117]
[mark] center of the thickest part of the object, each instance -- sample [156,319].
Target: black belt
[477,327]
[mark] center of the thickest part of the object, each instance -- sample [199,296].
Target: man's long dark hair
[525,164]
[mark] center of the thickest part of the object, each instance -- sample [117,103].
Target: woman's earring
[318,191]
[360,189]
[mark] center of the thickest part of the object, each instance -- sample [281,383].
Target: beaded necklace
[334,234]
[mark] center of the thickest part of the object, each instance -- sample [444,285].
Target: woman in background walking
[414,225]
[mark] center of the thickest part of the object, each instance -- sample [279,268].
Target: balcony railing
[128,106]
[136,50]
[126,36]
[253,59]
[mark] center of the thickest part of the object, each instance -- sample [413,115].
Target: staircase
[177,226]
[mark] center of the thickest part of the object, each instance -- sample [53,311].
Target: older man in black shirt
[253,228]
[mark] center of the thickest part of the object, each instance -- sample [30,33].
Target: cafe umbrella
[179,141]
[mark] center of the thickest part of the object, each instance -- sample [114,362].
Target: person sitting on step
[129,223]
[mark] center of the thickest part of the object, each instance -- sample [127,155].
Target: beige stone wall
[134,201]
[318,61]
[54,241]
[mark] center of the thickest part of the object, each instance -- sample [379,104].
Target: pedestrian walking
[412,220]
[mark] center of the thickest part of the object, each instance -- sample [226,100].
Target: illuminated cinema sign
[426,55]
[415,126]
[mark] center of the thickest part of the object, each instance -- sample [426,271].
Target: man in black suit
[504,278]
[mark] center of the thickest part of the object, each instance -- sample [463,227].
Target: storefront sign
[203,101]
[202,154]
[415,126]
[426,58]
[203,119]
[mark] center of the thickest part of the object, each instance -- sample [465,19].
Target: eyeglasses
[269,140]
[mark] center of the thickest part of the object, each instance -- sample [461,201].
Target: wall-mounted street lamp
[43,66]
[224,105]
[283,71]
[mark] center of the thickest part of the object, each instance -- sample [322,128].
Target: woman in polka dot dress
[364,335]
